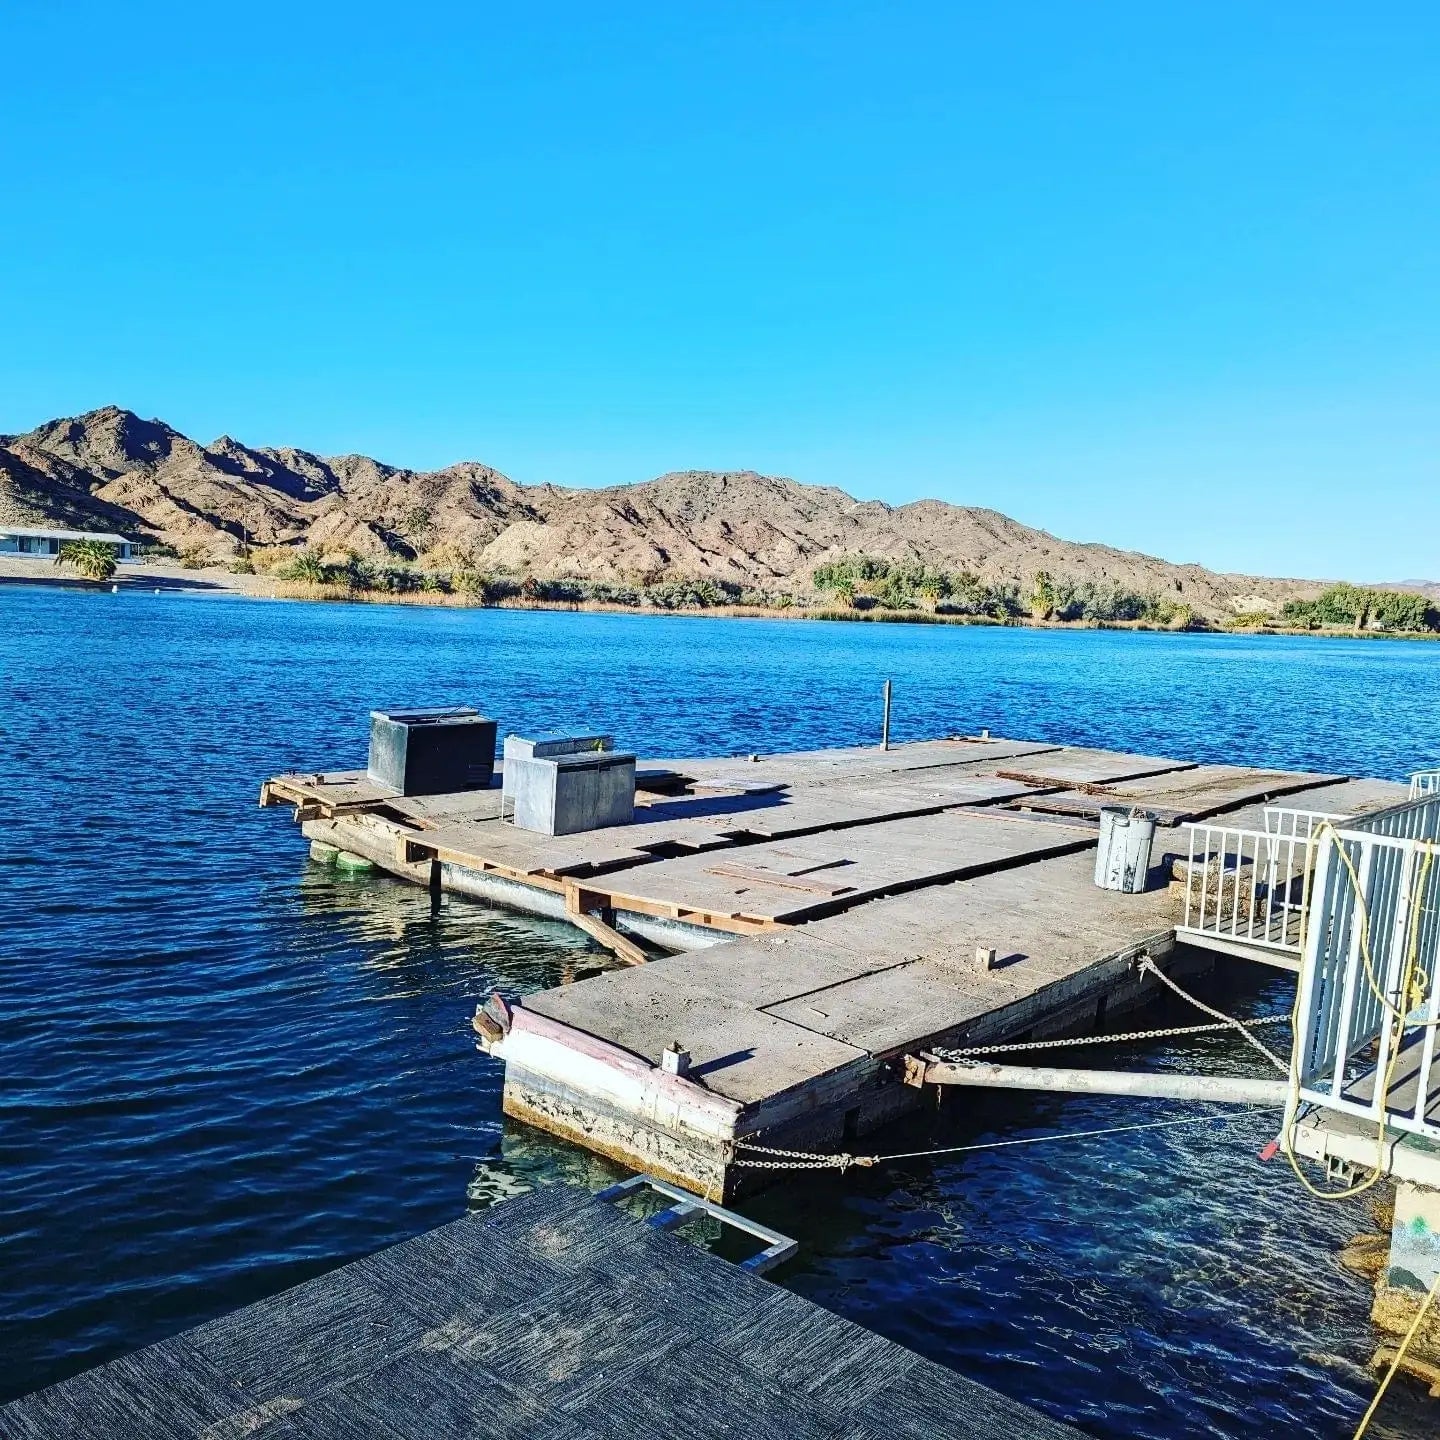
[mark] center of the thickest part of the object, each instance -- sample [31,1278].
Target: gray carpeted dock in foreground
[554,1316]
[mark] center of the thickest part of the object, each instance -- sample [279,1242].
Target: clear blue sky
[1166,276]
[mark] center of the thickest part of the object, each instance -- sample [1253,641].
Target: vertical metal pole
[1190,877]
[1239,872]
[1358,903]
[885,722]
[1205,880]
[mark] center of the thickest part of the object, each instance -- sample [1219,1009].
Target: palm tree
[1042,596]
[307,567]
[94,559]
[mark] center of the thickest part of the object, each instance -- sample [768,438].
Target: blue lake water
[224,1070]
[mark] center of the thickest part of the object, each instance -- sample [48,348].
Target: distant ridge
[1423,587]
[142,477]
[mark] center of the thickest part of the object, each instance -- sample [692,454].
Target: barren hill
[110,468]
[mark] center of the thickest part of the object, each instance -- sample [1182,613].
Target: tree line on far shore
[866,581]
[1360,607]
[355,574]
[850,585]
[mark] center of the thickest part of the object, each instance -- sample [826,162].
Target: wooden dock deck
[553,1316]
[827,909]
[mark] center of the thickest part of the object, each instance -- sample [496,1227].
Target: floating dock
[827,915]
[553,1316]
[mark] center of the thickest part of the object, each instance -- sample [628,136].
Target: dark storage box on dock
[431,751]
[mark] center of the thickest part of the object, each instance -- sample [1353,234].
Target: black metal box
[431,751]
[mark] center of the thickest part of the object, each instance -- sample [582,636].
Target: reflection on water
[526,1157]
[405,929]
[226,1069]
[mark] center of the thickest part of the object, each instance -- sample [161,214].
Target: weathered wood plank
[606,935]
[1076,765]
[881,859]
[736,1051]
[1194,794]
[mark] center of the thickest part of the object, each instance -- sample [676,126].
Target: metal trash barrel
[1122,860]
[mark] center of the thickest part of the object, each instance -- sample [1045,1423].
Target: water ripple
[226,1070]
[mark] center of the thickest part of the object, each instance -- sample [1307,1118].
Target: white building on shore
[43,543]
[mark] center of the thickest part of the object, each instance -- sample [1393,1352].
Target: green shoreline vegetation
[93,559]
[852,588]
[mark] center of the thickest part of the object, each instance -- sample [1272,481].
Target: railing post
[1308,1022]
[1432,1009]
[1235,903]
[1190,876]
[1354,957]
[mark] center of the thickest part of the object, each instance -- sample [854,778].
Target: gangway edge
[1367,1087]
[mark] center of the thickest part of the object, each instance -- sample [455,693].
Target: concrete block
[1415,1238]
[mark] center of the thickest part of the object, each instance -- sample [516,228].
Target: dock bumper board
[604,1098]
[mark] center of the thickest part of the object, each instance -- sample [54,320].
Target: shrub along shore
[853,588]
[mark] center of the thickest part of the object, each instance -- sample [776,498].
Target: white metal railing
[1369,1000]
[1252,886]
[1282,821]
[1424,782]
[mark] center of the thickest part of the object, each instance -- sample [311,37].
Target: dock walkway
[553,1316]
[827,909]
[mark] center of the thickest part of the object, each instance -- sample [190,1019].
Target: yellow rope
[1413,986]
[1395,1363]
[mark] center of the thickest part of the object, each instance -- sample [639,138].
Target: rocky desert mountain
[110,469]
